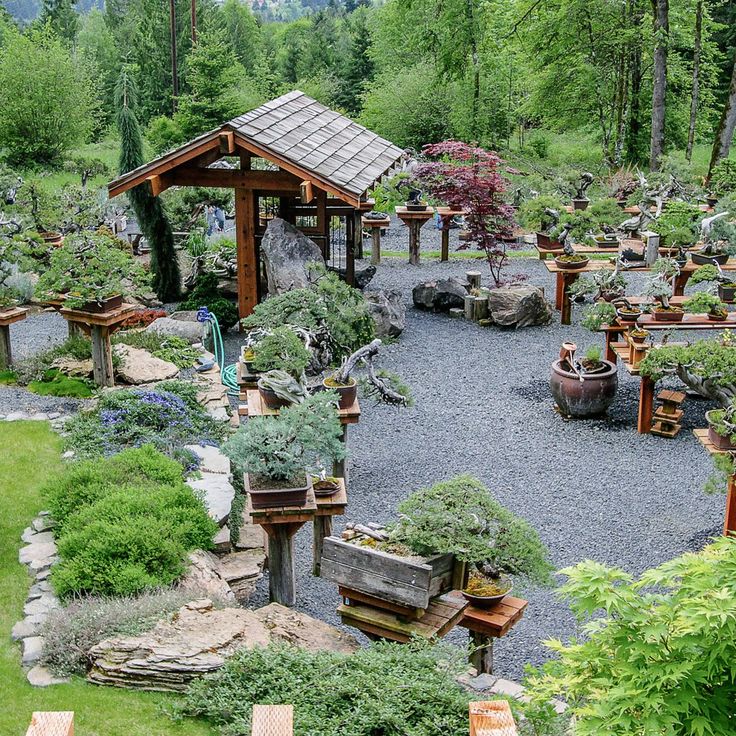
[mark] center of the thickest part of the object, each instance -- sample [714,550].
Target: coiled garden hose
[228,373]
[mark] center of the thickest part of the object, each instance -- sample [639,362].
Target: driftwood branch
[364,355]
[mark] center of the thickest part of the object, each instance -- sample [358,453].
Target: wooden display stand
[446,214]
[7,318]
[729,517]
[666,419]
[375,227]
[414,220]
[100,327]
[327,507]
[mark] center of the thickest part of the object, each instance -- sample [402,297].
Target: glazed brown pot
[262,497]
[580,204]
[668,316]
[726,293]
[546,243]
[104,305]
[703,260]
[627,318]
[572,266]
[718,441]
[717,317]
[52,238]
[347,394]
[587,398]
[271,400]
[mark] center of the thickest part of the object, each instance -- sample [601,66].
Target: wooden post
[729,519]
[102,356]
[481,656]
[568,279]
[281,569]
[646,405]
[339,467]
[678,288]
[469,300]
[559,289]
[414,227]
[481,308]
[323,223]
[6,355]
[376,245]
[247,255]
[473,278]
[322,529]
[445,242]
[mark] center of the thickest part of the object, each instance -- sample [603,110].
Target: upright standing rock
[387,308]
[519,306]
[288,256]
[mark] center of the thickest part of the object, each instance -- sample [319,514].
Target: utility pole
[194,22]
[174,69]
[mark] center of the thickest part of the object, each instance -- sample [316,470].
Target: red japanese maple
[466,178]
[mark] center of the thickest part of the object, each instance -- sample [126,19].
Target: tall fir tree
[62,17]
[149,210]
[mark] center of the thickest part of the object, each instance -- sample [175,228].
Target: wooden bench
[51,723]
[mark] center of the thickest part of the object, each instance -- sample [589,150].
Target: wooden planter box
[406,582]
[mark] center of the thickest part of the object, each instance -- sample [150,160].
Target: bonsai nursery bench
[729,517]
[446,214]
[375,227]
[414,220]
[7,318]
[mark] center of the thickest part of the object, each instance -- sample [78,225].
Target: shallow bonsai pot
[580,204]
[587,398]
[347,394]
[266,498]
[51,237]
[572,266]
[546,243]
[325,488]
[639,339]
[103,305]
[711,201]
[606,242]
[726,293]
[718,441]
[412,207]
[628,317]
[668,315]
[703,260]
[717,317]
[270,399]
[487,601]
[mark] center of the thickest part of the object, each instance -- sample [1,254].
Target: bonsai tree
[705,303]
[283,448]
[284,385]
[87,268]
[603,284]
[539,213]
[707,274]
[599,314]
[460,516]
[281,349]
[467,178]
[661,290]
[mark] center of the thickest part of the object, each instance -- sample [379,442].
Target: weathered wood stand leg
[445,243]
[646,406]
[414,227]
[680,283]
[339,467]
[281,570]
[482,655]
[559,290]
[611,337]
[322,529]
[102,356]
[729,521]
[568,279]
[6,356]
[376,245]
[74,329]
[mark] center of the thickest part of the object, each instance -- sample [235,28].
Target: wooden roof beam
[192,176]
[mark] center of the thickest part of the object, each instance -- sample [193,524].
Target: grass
[467,254]
[31,453]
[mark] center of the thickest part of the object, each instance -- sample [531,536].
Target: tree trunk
[696,79]
[660,10]
[633,148]
[621,95]
[476,68]
[724,135]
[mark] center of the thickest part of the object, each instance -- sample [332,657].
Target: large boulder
[388,310]
[288,256]
[199,639]
[180,324]
[519,306]
[138,366]
[361,278]
[441,295]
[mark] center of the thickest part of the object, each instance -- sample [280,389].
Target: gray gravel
[593,489]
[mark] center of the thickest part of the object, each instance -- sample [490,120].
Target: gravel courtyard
[593,489]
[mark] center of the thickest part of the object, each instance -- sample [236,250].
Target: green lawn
[30,454]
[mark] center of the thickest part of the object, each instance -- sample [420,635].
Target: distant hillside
[27,10]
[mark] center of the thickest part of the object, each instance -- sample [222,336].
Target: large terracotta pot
[587,398]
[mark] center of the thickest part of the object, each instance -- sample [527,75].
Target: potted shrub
[722,427]
[278,389]
[539,215]
[278,454]
[280,349]
[660,288]
[603,284]
[639,335]
[712,273]
[599,314]
[87,271]
[580,201]
[710,253]
[708,304]
[626,313]
[583,388]
[569,259]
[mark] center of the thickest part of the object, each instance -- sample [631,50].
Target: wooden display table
[8,317]
[487,624]
[327,507]
[446,214]
[414,220]
[375,226]
[729,517]
[443,614]
[100,327]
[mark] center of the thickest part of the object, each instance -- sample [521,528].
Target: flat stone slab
[23,629]
[211,459]
[218,495]
[40,676]
[32,650]
[43,565]
[41,606]
[31,536]
[36,551]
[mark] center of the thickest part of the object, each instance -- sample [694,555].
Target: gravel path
[593,489]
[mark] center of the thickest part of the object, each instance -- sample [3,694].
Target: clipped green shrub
[207,294]
[171,348]
[388,689]
[281,349]
[56,383]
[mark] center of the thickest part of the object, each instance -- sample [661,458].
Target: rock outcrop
[518,306]
[199,639]
[288,256]
[138,366]
[388,310]
[441,295]
[179,324]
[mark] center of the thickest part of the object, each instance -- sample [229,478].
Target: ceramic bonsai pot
[580,204]
[605,241]
[587,398]
[325,487]
[487,601]
[347,394]
[572,265]
[704,260]
[727,292]
[717,317]
[674,314]
[264,497]
[103,305]
[52,238]
[640,337]
[270,399]
[415,206]
[711,201]
[717,440]
[627,316]
[546,243]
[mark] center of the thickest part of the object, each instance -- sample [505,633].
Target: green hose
[228,373]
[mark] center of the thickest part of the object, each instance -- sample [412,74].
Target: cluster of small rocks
[56,418]
[38,554]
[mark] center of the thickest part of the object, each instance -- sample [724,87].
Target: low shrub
[56,383]
[71,631]
[37,366]
[389,689]
[167,417]
[171,348]
[206,293]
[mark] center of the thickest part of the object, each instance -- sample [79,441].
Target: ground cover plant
[171,348]
[206,293]
[125,524]
[32,455]
[167,417]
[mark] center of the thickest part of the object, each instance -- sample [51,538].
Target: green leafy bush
[281,349]
[530,214]
[55,383]
[709,359]
[388,689]
[723,178]
[207,294]
[171,348]
[704,303]
[461,516]
[36,367]
[658,653]
[678,224]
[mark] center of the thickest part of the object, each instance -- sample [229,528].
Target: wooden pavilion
[291,157]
